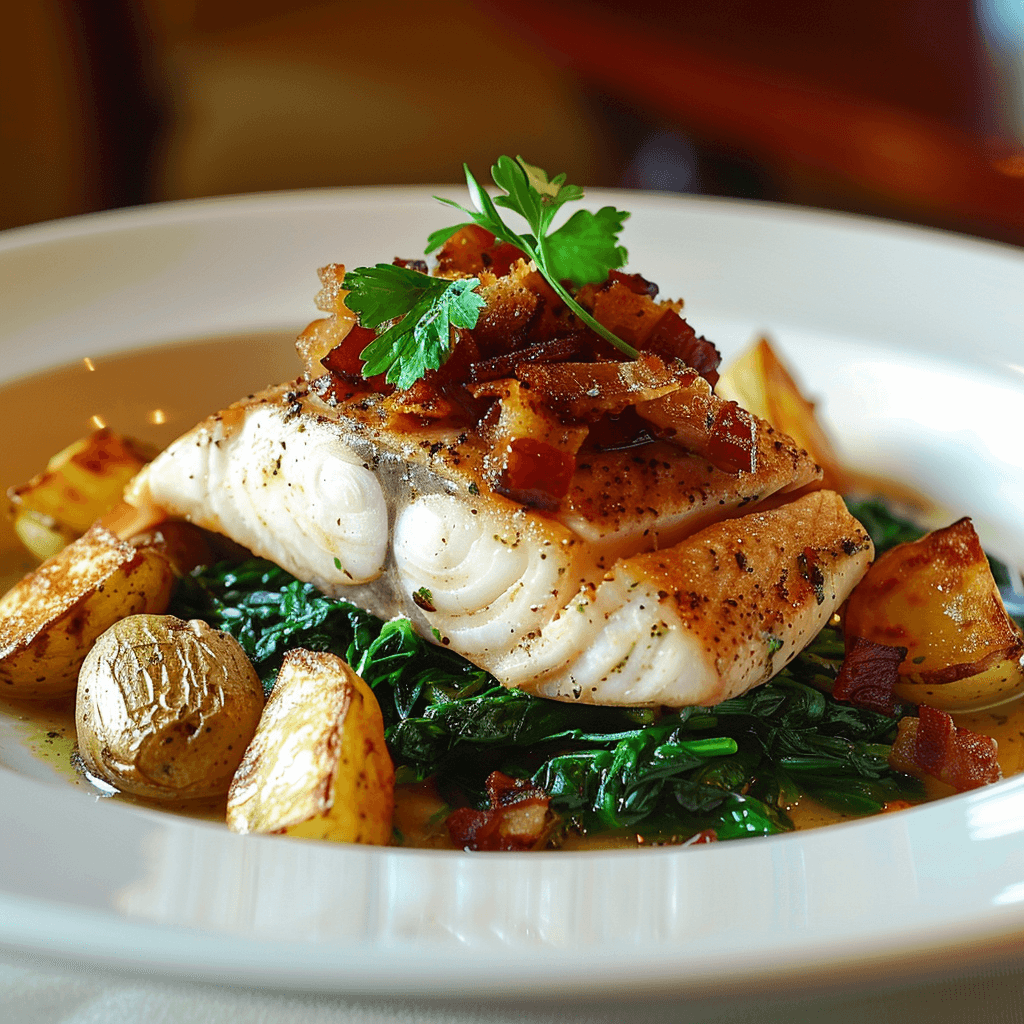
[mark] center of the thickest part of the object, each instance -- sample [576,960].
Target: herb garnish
[428,308]
[583,250]
[417,311]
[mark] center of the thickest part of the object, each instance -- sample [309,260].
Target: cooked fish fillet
[612,598]
[705,620]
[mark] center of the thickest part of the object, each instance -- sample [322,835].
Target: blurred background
[910,109]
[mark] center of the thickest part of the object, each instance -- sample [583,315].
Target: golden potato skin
[78,485]
[936,597]
[166,707]
[50,619]
[318,766]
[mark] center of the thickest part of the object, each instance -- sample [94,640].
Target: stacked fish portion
[647,555]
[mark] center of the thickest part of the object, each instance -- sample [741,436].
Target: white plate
[914,341]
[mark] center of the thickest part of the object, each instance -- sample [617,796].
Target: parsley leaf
[486,215]
[583,250]
[428,308]
[585,247]
[437,238]
[530,193]
[413,313]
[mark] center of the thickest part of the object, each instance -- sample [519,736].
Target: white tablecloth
[33,993]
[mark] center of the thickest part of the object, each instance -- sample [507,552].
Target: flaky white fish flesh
[650,584]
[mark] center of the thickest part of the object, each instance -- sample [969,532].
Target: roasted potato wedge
[50,619]
[78,486]
[759,381]
[936,597]
[166,708]
[317,766]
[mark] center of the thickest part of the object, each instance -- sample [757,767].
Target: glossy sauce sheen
[157,394]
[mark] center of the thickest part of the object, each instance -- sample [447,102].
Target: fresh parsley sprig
[427,307]
[583,250]
[413,313]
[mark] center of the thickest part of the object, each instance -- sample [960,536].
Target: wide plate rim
[541,970]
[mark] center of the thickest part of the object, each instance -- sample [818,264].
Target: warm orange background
[894,107]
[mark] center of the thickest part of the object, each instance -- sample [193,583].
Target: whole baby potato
[166,708]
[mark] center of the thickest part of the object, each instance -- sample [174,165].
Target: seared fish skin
[593,609]
[705,620]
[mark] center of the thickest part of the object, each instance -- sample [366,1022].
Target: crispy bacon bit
[461,254]
[418,265]
[707,835]
[634,282]
[499,260]
[472,250]
[557,350]
[519,817]
[732,445]
[627,314]
[695,418]
[553,318]
[441,393]
[932,745]
[587,391]
[322,335]
[868,675]
[536,474]
[673,338]
[343,360]
[627,308]
[533,454]
[512,307]
[935,732]
[331,297]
